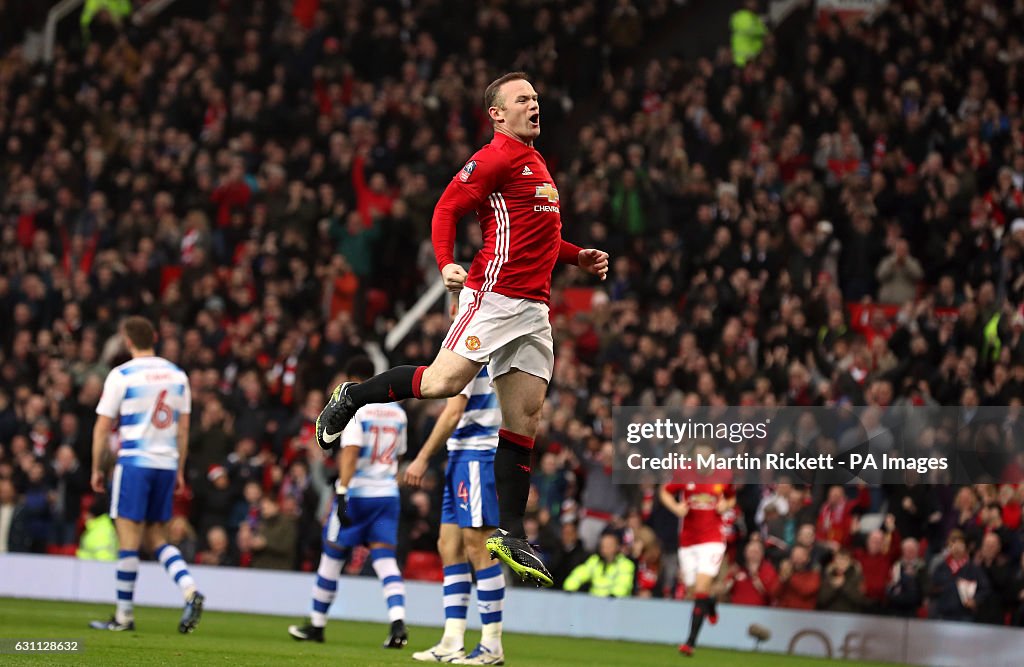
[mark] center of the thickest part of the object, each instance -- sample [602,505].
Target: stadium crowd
[841,219]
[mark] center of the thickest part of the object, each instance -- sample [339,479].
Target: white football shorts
[704,558]
[504,333]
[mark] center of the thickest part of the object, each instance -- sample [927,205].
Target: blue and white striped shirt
[380,431]
[478,428]
[146,396]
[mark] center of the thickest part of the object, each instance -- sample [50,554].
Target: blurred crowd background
[815,212]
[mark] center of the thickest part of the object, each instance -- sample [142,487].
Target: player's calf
[396,384]
[174,564]
[127,573]
[512,476]
[490,596]
[123,618]
[386,567]
[700,612]
[512,469]
[325,588]
[458,581]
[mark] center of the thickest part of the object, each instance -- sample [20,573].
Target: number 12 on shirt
[385,440]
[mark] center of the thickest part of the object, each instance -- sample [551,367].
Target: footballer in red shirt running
[706,507]
[503,305]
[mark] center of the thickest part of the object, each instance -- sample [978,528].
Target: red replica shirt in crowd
[702,523]
[877,569]
[508,185]
[800,591]
[835,522]
[745,590]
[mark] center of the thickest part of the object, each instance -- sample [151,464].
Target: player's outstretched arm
[443,429]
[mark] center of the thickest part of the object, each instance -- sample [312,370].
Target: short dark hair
[491,92]
[360,368]
[139,331]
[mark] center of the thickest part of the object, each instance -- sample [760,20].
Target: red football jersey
[702,523]
[508,184]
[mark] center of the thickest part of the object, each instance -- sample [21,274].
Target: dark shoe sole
[189,625]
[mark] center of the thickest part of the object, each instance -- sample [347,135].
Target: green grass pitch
[248,639]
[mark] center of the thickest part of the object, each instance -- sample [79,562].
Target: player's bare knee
[451,551]
[523,421]
[533,400]
[532,420]
[530,414]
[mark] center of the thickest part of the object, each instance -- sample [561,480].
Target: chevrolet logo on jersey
[547,191]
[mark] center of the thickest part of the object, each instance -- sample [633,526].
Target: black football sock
[512,478]
[712,605]
[396,384]
[696,620]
